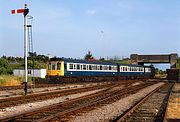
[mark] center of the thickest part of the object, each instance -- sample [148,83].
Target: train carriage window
[78,66]
[58,66]
[104,67]
[96,67]
[93,67]
[100,67]
[121,69]
[81,67]
[49,66]
[74,66]
[84,67]
[109,67]
[90,67]
[70,66]
[53,66]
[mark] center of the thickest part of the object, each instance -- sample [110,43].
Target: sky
[107,28]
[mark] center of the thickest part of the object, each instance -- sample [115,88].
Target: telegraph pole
[25,12]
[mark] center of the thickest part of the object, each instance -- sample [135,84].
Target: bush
[5,67]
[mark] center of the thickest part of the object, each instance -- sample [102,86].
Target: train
[64,69]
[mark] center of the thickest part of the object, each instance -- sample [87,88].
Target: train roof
[81,61]
[92,62]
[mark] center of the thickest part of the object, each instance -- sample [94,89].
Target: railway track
[150,108]
[5,88]
[14,101]
[61,111]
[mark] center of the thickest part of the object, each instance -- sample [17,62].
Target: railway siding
[173,108]
[109,112]
[10,111]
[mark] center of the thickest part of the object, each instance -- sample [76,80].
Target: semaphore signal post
[25,12]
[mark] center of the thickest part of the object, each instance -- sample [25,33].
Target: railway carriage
[61,69]
[71,67]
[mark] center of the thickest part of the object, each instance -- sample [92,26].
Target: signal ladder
[30,45]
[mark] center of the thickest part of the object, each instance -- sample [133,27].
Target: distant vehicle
[71,69]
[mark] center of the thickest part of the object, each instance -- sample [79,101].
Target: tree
[5,67]
[88,56]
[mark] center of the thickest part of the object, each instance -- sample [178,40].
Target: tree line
[8,63]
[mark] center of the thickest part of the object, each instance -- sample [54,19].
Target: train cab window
[70,66]
[58,66]
[84,67]
[49,66]
[53,66]
[78,66]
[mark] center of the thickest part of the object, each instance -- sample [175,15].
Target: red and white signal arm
[17,11]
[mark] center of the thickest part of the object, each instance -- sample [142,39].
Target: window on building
[29,71]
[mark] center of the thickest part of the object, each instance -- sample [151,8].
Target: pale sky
[69,28]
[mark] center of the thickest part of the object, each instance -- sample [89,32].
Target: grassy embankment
[10,80]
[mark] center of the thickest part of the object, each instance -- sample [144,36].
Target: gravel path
[111,111]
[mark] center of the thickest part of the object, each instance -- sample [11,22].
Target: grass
[10,80]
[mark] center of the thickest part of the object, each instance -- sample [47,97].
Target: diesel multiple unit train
[61,69]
